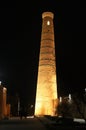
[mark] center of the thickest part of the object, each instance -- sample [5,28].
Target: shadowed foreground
[24,124]
[39,123]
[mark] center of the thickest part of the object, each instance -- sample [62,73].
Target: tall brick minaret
[46,93]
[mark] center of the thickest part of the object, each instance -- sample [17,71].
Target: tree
[65,108]
[79,99]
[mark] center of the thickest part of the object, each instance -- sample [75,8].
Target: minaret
[46,93]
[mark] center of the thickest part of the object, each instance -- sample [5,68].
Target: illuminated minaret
[46,93]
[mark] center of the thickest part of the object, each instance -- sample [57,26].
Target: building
[4,102]
[3,98]
[46,92]
[8,106]
[1,101]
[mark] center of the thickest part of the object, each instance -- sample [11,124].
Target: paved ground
[35,123]
[24,124]
[52,125]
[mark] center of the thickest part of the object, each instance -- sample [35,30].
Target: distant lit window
[48,22]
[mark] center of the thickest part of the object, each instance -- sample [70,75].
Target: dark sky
[20,35]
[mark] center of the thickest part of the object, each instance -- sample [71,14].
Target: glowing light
[60,99]
[79,120]
[0,82]
[4,89]
[48,22]
[85,89]
[31,106]
[69,96]
[30,116]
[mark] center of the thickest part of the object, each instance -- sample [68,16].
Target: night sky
[20,35]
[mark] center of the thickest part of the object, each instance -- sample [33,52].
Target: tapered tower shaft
[46,93]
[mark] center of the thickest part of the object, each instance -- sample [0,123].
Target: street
[37,123]
[24,124]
